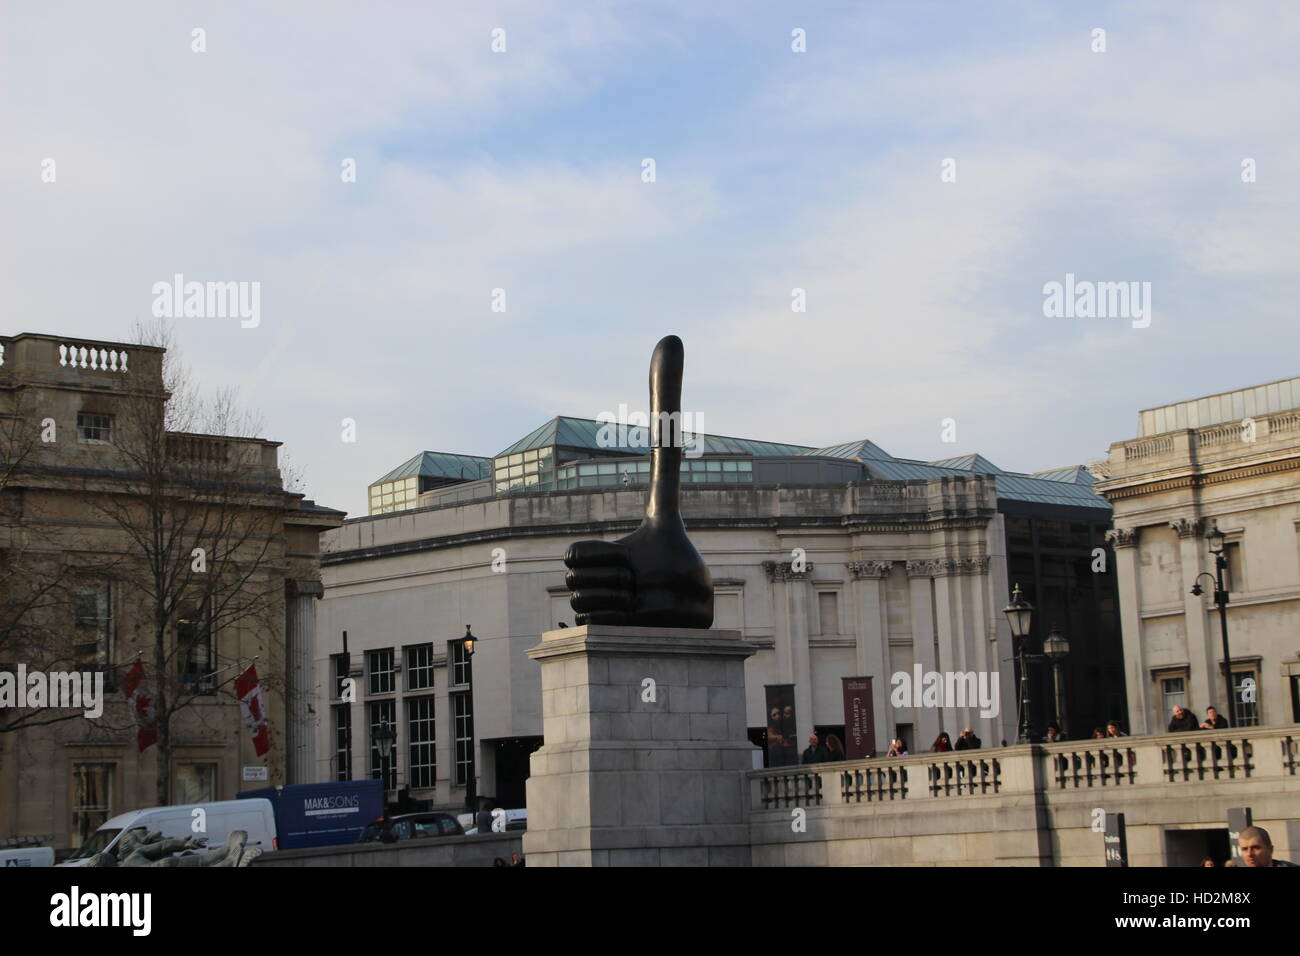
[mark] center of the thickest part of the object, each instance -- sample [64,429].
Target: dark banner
[782,737]
[859,718]
[1116,840]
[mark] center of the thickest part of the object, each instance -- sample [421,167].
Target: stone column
[925,720]
[646,749]
[300,637]
[946,598]
[794,664]
[1138,682]
[873,641]
[1204,683]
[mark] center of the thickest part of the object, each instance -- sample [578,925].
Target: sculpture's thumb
[665,427]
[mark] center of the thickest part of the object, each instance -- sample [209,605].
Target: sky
[919,170]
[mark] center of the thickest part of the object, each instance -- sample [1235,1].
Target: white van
[255,816]
[27,856]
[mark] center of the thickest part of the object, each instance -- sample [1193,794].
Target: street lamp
[1020,615]
[1215,539]
[471,776]
[1056,648]
[384,738]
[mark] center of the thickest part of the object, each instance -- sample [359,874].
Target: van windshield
[95,845]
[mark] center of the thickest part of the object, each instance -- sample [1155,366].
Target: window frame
[101,423]
[380,676]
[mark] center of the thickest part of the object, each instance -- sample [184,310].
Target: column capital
[931,567]
[870,569]
[979,564]
[1187,527]
[1122,538]
[783,571]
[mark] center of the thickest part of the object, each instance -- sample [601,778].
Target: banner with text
[859,718]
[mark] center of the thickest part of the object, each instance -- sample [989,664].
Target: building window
[379,668]
[92,607]
[423,761]
[342,741]
[1245,698]
[196,783]
[419,667]
[340,665]
[828,609]
[91,800]
[1234,578]
[1173,692]
[94,429]
[461,669]
[194,651]
[383,712]
[464,736]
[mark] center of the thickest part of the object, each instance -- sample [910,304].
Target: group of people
[1182,720]
[817,752]
[966,740]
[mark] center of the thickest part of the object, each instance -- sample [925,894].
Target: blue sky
[775,170]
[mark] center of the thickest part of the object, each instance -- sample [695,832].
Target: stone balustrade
[1026,804]
[93,357]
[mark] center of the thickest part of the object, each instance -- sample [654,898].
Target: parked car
[411,826]
[255,817]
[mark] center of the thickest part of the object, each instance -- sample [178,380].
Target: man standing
[1257,848]
[815,753]
[967,740]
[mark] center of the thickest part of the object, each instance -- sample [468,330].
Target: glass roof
[975,462]
[852,449]
[1075,474]
[585,433]
[437,464]
[1066,486]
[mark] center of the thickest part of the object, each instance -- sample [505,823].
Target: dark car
[411,826]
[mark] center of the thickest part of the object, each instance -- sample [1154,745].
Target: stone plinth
[635,773]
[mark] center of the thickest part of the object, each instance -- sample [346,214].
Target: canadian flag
[249,692]
[142,706]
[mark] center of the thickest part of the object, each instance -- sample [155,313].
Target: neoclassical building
[84,461]
[836,562]
[1230,461]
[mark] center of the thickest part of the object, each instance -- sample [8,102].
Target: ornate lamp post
[471,777]
[384,738]
[1214,537]
[1020,615]
[1056,648]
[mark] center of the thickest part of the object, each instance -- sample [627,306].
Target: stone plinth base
[646,749]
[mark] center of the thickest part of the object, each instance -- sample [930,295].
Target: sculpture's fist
[654,577]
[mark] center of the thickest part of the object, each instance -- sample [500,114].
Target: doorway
[1190,847]
[512,768]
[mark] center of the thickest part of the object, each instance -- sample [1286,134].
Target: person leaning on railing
[1182,720]
[896,748]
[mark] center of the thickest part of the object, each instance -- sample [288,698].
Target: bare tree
[200,513]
